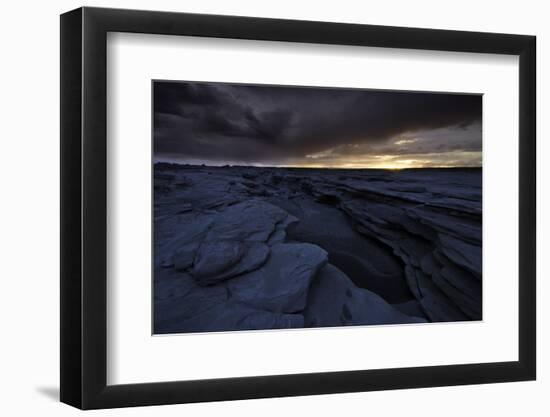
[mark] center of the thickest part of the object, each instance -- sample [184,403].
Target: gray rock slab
[231,316]
[334,300]
[222,260]
[282,284]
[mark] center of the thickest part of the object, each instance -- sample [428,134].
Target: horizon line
[314,167]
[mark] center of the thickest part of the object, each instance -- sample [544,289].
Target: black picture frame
[84,207]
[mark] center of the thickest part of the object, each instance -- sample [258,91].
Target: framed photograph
[257,208]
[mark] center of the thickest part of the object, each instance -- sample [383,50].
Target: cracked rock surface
[243,248]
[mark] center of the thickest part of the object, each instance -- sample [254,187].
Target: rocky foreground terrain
[240,248]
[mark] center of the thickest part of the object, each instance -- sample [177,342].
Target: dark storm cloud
[264,124]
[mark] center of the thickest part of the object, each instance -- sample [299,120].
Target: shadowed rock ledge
[263,248]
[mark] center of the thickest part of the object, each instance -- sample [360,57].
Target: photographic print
[278,207]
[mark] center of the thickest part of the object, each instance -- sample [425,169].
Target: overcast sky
[240,124]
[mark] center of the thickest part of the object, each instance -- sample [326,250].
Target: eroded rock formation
[264,248]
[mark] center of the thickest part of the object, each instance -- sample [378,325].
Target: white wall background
[29,237]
